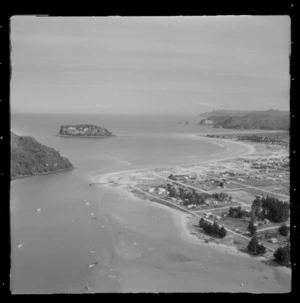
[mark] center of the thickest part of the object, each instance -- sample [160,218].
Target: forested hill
[269,120]
[223,112]
[29,157]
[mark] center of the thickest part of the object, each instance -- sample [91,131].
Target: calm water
[130,239]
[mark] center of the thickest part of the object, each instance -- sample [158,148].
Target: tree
[251,228]
[173,190]
[282,255]
[253,245]
[283,230]
[261,249]
[215,228]
[237,212]
[201,222]
[222,232]
[256,207]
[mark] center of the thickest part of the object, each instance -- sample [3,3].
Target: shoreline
[41,174]
[71,136]
[181,219]
[102,178]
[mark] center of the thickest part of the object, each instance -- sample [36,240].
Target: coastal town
[241,202]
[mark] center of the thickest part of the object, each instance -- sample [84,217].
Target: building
[208,122]
[273,240]
[161,190]
[191,206]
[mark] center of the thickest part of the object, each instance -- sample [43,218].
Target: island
[29,157]
[84,130]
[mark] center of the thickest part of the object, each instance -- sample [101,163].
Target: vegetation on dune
[29,157]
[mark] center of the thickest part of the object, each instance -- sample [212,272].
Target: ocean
[137,245]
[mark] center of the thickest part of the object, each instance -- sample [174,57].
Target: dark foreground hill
[29,157]
[269,120]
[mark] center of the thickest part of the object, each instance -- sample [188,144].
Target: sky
[149,65]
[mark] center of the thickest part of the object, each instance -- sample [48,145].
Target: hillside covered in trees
[29,157]
[269,120]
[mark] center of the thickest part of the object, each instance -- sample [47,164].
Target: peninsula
[29,157]
[84,130]
[267,120]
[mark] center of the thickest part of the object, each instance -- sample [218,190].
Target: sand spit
[123,179]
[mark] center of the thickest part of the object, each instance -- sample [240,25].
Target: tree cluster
[221,197]
[283,230]
[255,248]
[271,208]
[212,228]
[172,177]
[190,195]
[282,255]
[237,212]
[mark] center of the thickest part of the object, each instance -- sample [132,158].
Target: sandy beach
[240,149]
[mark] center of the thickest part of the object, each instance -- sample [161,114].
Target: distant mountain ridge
[268,120]
[225,112]
[29,157]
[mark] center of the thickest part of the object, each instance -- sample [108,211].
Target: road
[248,186]
[269,228]
[196,188]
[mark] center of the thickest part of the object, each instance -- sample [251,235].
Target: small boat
[20,245]
[93,264]
[38,210]
[92,251]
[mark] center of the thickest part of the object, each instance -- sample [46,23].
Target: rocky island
[84,130]
[29,157]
